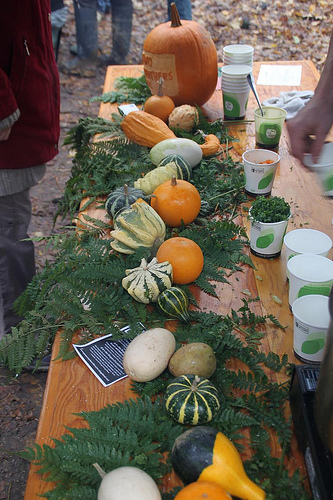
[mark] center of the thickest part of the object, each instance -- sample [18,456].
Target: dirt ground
[278,31]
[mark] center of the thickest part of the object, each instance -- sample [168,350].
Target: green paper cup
[311,321]
[268,128]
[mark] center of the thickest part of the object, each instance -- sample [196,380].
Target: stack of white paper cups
[238,54]
[235,90]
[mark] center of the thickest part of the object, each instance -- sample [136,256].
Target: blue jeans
[17,258]
[184,8]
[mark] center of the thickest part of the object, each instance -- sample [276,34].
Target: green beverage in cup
[269,127]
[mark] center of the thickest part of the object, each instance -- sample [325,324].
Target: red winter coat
[28,82]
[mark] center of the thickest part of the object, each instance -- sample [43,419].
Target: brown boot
[85,68]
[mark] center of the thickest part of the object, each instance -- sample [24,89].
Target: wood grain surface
[72,388]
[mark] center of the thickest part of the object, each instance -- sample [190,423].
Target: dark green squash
[174,302]
[184,169]
[191,400]
[121,198]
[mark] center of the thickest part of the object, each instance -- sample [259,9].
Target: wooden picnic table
[72,388]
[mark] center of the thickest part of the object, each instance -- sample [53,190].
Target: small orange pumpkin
[202,490]
[185,256]
[159,105]
[184,54]
[176,201]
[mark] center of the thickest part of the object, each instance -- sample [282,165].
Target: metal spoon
[254,90]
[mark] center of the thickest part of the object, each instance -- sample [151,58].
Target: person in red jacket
[29,134]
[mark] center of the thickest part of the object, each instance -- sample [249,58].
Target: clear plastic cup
[268,128]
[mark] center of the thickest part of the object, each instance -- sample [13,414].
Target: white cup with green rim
[268,127]
[259,175]
[309,274]
[311,321]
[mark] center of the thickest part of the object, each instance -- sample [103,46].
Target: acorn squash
[137,226]
[205,454]
[122,197]
[146,282]
[191,400]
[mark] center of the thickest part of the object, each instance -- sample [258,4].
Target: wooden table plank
[72,388]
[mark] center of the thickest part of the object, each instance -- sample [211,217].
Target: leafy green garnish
[274,209]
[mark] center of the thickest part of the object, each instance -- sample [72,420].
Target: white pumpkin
[128,483]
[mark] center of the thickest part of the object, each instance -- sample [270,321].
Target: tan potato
[196,358]
[147,356]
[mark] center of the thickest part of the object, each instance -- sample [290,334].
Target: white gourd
[146,282]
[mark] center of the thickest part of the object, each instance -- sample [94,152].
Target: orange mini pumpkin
[202,490]
[176,201]
[159,105]
[185,256]
[184,54]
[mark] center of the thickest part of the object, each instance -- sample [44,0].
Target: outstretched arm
[309,128]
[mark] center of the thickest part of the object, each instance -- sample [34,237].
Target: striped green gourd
[191,400]
[146,282]
[122,197]
[178,166]
[183,167]
[174,302]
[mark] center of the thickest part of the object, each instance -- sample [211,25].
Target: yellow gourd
[205,454]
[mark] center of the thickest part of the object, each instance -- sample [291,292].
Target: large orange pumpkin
[184,55]
[185,256]
[202,490]
[176,201]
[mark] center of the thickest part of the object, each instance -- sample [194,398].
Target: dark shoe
[111,60]
[85,68]
[39,366]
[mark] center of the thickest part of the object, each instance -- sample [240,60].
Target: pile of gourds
[202,457]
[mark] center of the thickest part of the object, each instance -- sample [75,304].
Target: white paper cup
[306,241]
[236,71]
[323,168]
[238,49]
[235,104]
[311,321]
[309,274]
[259,177]
[266,238]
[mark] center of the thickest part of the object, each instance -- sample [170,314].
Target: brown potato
[196,358]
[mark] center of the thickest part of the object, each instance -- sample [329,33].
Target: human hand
[4,133]
[308,130]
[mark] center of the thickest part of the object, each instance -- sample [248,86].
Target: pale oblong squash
[146,282]
[145,129]
[137,226]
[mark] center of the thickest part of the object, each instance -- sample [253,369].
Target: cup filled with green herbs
[269,220]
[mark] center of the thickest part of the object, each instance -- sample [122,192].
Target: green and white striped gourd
[169,166]
[146,282]
[191,400]
[174,303]
[122,197]
[137,226]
